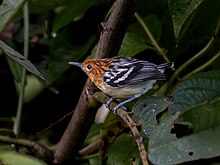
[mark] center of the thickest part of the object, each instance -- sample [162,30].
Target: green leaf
[180,11]
[72,11]
[146,110]
[161,134]
[203,116]
[94,133]
[166,148]
[197,98]
[15,158]
[154,25]
[196,90]
[167,37]
[132,45]
[124,151]
[197,146]
[20,59]
[8,9]
[32,88]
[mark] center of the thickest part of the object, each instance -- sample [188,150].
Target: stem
[191,60]
[151,37]
[17,123]
[202,67]
[188,62]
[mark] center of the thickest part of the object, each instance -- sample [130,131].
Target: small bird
[123,77]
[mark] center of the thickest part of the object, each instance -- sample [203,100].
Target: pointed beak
[79,64]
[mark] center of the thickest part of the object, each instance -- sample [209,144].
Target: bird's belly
[128,91]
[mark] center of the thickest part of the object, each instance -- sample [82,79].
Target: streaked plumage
[123,77]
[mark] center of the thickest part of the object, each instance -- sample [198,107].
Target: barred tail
[165,65]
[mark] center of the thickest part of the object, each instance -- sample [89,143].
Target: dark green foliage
[177,129]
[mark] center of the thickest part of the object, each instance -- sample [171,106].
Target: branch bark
[114,29]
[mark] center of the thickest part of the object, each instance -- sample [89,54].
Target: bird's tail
[166,65]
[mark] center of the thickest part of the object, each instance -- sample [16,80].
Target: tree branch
[110,41]
[36,148]
[114,29]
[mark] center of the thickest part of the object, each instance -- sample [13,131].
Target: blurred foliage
[178,130]
[17,158]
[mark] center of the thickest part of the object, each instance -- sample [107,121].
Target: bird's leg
[110,101]
[120,105]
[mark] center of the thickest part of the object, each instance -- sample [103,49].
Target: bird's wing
[132,72]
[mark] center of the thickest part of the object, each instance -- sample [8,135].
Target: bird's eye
[89,67]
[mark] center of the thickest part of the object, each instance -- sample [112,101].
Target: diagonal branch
[114,29]
[101,97]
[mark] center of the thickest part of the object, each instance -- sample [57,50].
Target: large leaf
[72,10]
[203,116]
[161,134]
[7,10]
[166,148]
[189,148]
[146,111]
[132,45]
[14,55]
[200,23]
[152,22]
[197,100]
[196,90]
[180,11]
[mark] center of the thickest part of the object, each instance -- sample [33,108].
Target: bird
[123,77]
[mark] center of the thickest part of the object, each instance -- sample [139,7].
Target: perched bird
[123,77]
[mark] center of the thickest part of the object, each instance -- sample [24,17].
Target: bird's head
[95,67]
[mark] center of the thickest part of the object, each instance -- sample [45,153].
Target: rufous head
[93,67]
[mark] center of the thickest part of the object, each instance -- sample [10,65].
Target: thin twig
[101,97]
[137,136]
[55,123]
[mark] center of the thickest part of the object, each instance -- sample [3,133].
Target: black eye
[89,67]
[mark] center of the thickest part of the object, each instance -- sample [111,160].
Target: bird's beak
[79,64]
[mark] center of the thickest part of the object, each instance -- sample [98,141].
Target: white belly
[128,91]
